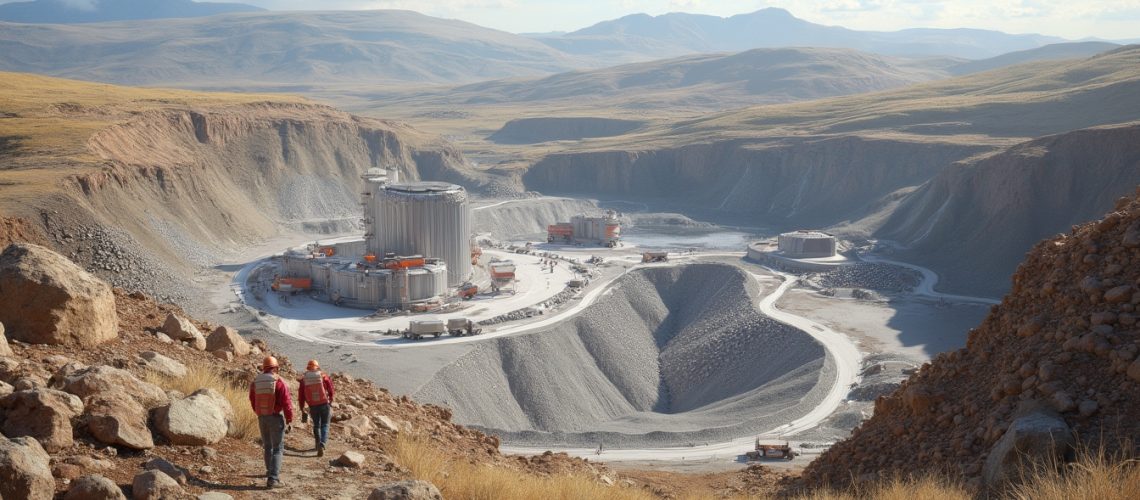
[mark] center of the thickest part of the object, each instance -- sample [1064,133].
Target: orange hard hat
[268,362]
[313,365]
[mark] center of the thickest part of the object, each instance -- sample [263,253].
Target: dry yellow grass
[459,479]
[202,377]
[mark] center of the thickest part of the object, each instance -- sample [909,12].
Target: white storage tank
[421,218]
[807,244]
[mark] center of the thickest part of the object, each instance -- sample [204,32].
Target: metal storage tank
[422,218]
[807,244]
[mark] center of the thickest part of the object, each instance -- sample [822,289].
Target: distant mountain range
[297,51]
[93,11]
[644,36]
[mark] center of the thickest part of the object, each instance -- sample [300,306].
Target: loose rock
[225,338]
[162,364]
[154,485]
[43,414]
[406,490]
[24,470]
[117,419]
[94,487]
[350,459]
[182,330]
[196,420]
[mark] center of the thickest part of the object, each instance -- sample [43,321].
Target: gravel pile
[882,277]
[113,255]
[530,312]
[672,356]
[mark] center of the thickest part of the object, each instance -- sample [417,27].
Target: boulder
[47,299]
[178,474]
[117,419]
[406,490]
[154,361]
[350,459]
[24,470]
[154,485]
[213,495]
[387,424]
[196,420]
[102,378]
[6,389]
[44,414]
[1038,437]
[182,330]
[94,487]
[358,426]
[5,349]
[225,338]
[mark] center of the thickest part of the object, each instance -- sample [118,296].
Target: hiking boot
[273,485]
[320,450]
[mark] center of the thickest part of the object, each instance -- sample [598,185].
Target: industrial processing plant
[416,247]
[803,250]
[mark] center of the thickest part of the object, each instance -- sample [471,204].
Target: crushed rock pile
[670,356]
[1058,356]
[873,276]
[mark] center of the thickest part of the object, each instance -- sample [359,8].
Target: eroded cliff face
[783,183]
[234,175]
[975,220]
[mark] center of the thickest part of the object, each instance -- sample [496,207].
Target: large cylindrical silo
[423,218]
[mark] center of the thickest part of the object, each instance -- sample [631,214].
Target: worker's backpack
[265,394]
[314,387]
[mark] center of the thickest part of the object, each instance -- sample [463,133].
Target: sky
[1074,19]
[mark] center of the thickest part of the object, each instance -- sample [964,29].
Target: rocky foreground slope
[1054,366]
[88,403]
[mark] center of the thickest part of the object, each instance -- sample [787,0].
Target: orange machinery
[327,251]
[291,284]
[563,231]
[403,262]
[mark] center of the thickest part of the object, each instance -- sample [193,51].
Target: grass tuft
[460,479]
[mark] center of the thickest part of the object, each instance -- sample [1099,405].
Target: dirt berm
[670,356]
[1065,337]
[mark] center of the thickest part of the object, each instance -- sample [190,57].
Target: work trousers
[321,414]
[273,443]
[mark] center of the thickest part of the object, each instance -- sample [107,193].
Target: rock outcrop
[24,470]
[47,299]
[43,414]
[1065,338]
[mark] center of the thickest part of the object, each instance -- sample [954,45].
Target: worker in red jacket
[271,402]
[316,391]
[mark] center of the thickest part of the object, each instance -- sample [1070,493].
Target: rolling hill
[274,50]
[64,12]
[1051,52]
[754,76]
[641,36]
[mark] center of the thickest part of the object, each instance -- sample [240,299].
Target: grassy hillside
[277,48]
[45,124]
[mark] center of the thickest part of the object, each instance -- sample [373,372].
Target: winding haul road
[842,350]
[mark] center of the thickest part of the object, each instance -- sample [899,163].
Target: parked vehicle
[459,327]
[420,328]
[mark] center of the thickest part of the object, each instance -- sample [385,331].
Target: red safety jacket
[269,396]
[316,389]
